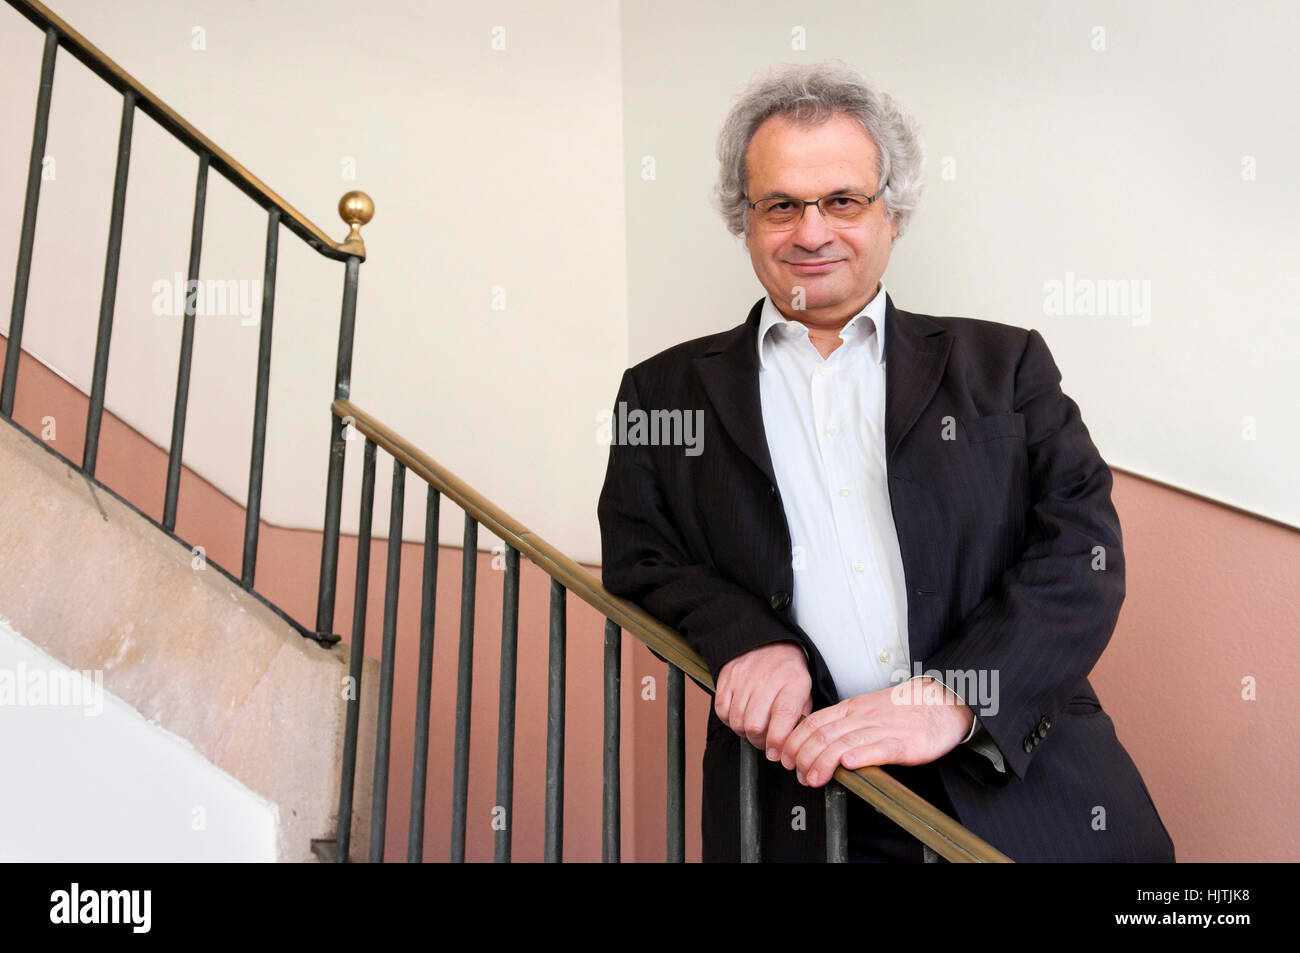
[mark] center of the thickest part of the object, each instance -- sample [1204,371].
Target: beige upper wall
[1045,157]
[1062,159]
[489,169]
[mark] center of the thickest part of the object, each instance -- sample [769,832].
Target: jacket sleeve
[645,559]
[1044,623]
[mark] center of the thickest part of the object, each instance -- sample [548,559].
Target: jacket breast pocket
[994,427]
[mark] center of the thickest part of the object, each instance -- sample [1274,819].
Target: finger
[786,710]
[820,740]
[724,691]
[803,731]
[758,712]
[881,751]
[739,704]
[823,766]
[798,736]
[722,698]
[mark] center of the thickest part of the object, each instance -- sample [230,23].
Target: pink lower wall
[1211,600]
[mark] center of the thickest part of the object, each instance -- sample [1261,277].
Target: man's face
[838,268]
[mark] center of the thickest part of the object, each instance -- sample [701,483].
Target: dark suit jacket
[999,526]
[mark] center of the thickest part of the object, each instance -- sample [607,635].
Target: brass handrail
[882,791]
[173,122]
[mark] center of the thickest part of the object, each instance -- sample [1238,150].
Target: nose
[812,232]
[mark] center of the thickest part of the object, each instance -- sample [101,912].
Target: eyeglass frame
[804,203]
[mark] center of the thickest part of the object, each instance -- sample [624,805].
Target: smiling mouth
[814,265]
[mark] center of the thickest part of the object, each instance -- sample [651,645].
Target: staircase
[212,731]
[266,699]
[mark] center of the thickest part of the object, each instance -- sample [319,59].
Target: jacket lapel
[916,352]
[729,372]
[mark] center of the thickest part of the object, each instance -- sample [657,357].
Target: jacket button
[1028,745]
[1041,733]
[772,491]
[1045,723]
[780,599]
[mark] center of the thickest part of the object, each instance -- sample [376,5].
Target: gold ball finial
[356,208]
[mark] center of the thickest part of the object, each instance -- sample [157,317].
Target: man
[896,524]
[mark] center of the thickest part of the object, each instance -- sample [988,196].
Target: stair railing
[356,209]
[875,786]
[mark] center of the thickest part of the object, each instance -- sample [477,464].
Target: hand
[916,722]
[762,694]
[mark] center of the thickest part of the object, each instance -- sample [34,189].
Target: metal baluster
[837,823]
[610,827]
[181,404]
[676,765]
[464,686]
[749,818]
[108,297]
[253,512]
[553,849]
[506,710]
[383,743]
[27,237]
[424,677]
[344,836]
[329,554]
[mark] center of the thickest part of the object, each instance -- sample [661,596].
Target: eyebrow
[841,190]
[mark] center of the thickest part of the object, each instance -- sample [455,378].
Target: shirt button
[831,431]
[859,566]
[844,491]
[824,371]
[884,656]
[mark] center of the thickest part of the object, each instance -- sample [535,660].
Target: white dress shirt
[825,424]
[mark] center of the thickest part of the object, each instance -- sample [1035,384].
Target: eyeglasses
[841,210]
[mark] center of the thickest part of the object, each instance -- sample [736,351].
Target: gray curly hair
[812,94]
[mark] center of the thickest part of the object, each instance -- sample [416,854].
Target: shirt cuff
[982,742]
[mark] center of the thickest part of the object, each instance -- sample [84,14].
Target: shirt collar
[874,312]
